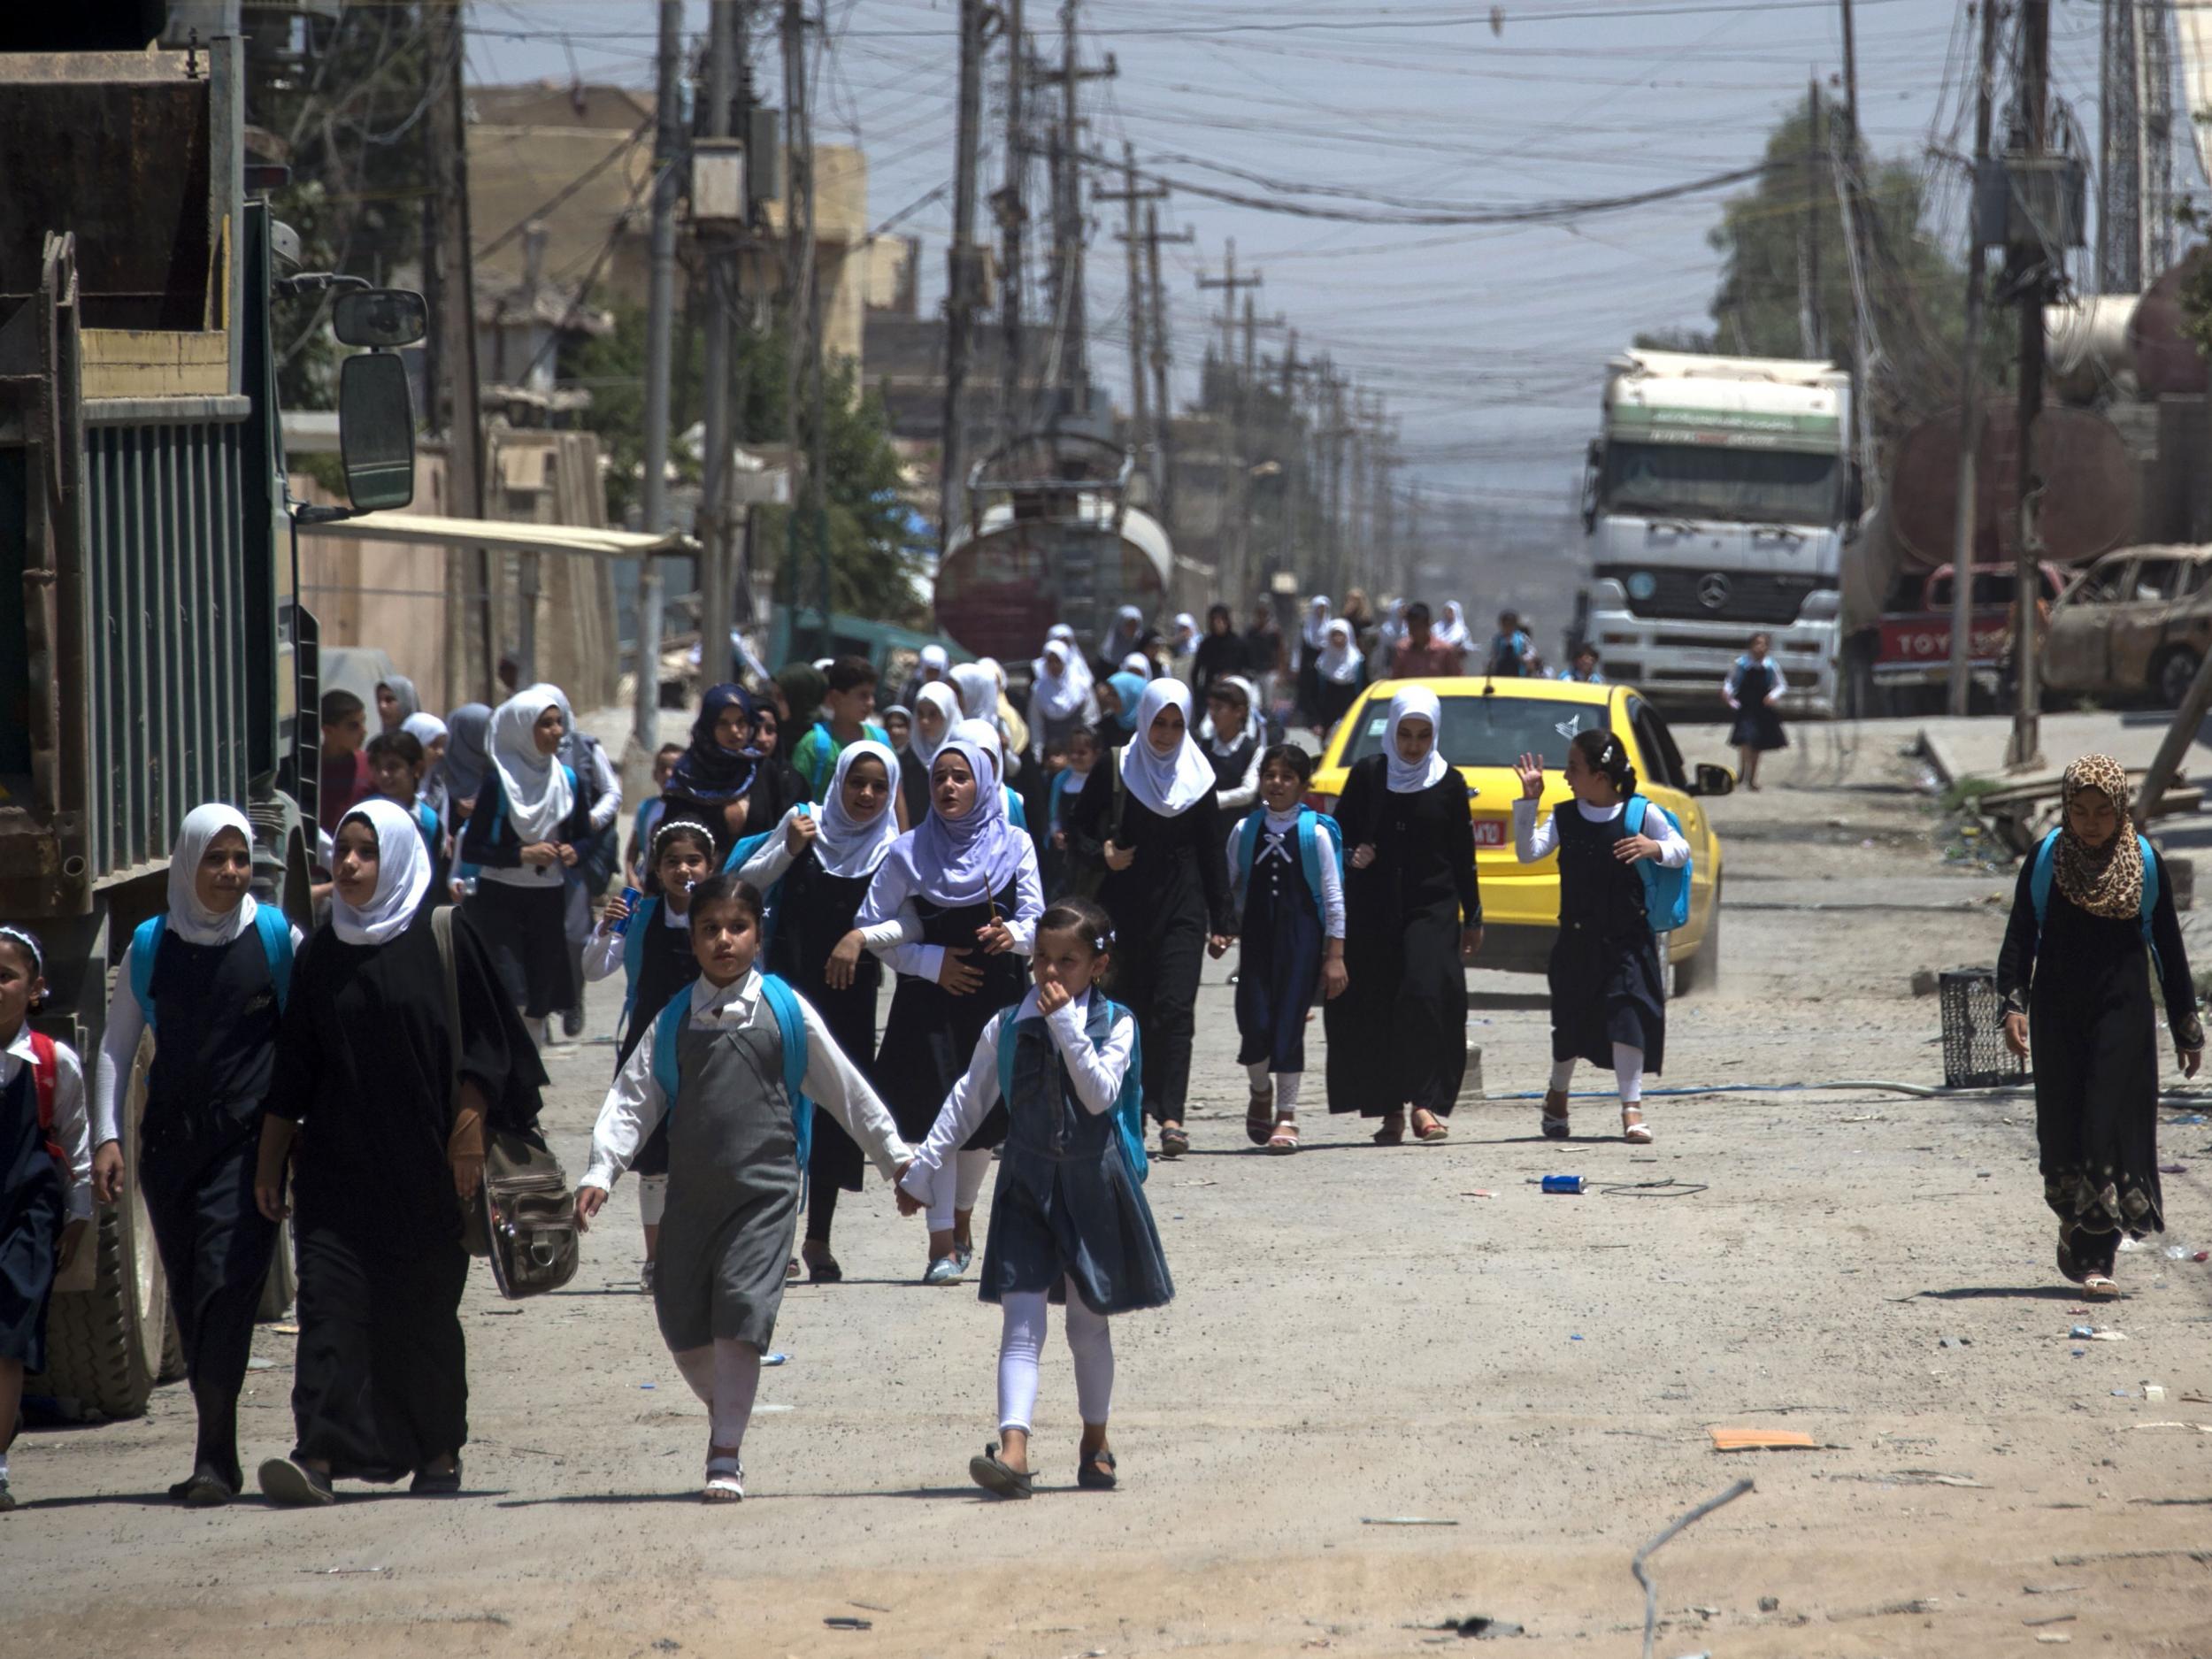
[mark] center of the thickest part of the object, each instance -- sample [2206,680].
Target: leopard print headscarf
[2105,881]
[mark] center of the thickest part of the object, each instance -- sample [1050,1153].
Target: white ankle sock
[1562,1074]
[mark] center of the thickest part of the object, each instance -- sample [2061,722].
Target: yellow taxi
[1490,723]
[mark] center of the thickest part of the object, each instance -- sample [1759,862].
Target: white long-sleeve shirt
[603,951]
[891,903]
[599,781]
[635,1105]
[71,1127]
[1534,838]
[118,1049]
[1240,797]
[1278,838]
[900,934]
[1777,685]
[1097,1075]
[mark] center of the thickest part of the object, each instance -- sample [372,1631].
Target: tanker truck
[153,651]
[1718,499]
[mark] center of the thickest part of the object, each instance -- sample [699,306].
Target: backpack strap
[275,928]
[1248,843]
[1008,1017]
[145,940]
[2039,880]
[821,763]
[666,1025]
[633,938]
[45,1075]
[1017,814]
[1632,816]
[783,1002]
[2150,883]
[743,853]
[1129,1104]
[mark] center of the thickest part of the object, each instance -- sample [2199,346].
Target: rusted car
[2134,624]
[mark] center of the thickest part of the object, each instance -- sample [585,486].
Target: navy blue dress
[1281,966]
[1606,985]
[1067,1206]
[32,1199]
[1756,726]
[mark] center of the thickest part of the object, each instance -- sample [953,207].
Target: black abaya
[1398,1034]
[362,1064]
[2093,1032]
[813,912]
[1164,907]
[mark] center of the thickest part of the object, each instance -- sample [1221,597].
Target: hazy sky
[1487,342]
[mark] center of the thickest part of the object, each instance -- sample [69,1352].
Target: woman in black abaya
[365,1064]
[2076,984]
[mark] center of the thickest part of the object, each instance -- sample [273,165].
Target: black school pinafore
[1606,985]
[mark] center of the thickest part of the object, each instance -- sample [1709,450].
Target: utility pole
[660,307]
[1162,412]
[2033,283]
[1964,529]
[446,133]
[718,249]
[1809,320]
[1294,479]
[1235,541]
[964,273]
[802,289]
[1070,336]
[1139,413]
[1011,206]
[1850,83]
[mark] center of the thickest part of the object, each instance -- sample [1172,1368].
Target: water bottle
[630,896]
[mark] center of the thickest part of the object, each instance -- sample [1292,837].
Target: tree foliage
[874,553]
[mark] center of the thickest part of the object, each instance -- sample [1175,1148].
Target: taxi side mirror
[1713,780]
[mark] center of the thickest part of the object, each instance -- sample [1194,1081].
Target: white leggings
[955,1188]
[726,1377]
[652,1199]
[1628,1070]
[1090,1340]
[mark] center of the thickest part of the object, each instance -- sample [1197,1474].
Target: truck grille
[1763,597]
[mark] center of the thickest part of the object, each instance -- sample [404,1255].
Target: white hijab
[538,793]
[1411,780]
[1174,784]
[1314,632]
[1137,662]
[402,876]
[1064,680]
[423,728]
[946,701]
[189,919]
[933,659]
[1340,660]
[848,846]
[977,688]
[1452,629]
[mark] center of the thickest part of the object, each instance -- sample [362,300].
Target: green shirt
[817,755]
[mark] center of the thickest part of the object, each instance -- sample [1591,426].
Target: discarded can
[630,896]
[1565,1183]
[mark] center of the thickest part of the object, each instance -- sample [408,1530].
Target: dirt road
[1361,1334]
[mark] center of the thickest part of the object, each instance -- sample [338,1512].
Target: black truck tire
[105,1346]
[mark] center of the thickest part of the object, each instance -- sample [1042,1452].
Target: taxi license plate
[1489,832]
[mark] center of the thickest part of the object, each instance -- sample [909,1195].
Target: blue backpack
[1666,892]
[823,757]
[276,945]
[2039,886]
[1128,1106]
[645,915]
[1311,826]
[1017,813]
[783,1002]
[742,854]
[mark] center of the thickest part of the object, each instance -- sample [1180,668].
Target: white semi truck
[1718,502]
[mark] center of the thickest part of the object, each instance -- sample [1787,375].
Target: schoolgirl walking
[1608,997]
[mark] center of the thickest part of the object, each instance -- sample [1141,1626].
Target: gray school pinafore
[732,1188]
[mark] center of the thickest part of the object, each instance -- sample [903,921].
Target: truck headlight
[1642,585]
[1822,604]
[1608,595]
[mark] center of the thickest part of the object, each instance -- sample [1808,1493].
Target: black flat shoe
[208,1487]
[294,1485]
[1091,1477]
[995,1477]
[825,1271]
[437,1483]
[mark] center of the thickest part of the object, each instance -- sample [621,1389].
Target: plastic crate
[1974,1051]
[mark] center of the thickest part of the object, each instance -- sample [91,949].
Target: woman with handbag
[396,1080]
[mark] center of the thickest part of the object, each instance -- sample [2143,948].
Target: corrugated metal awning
[579,540]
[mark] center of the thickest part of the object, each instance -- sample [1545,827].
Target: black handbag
[1086,871]
[523,1217]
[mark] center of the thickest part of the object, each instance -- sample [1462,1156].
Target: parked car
[1912,656]
[2136,624]
[1487,725]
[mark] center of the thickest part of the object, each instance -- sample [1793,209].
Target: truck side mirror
[376,432]
[379,316]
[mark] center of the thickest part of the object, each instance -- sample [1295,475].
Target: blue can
[630,896]
[1566,1183]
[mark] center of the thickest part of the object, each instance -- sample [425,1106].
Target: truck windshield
[1690,481]
[1492,731]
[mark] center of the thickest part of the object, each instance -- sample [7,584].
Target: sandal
[821,1266]
[1437,1129]
[2100,1287]
[2068,1267]
[1095,1471]
[726,1480]
[1637,1134]
[1285,1139]
[1000,1478]
[1555,1124]
[1259,1116]
[1393,1133]
[1174,1142]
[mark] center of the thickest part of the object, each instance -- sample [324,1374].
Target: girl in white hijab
[1147,815]
[1060,696]
[219,967]
[531,825]
[936,712]
[1412,919]
[397,1078]
[1340,672]
[1452,629]
[819,863]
